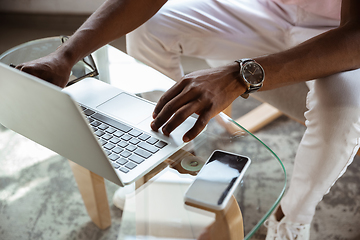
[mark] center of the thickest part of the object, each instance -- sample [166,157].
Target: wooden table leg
[228,223]
[93,192]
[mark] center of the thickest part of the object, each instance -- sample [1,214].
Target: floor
[38,194]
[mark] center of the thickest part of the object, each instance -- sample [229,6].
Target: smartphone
[217,180]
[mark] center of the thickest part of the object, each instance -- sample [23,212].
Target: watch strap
[250,90]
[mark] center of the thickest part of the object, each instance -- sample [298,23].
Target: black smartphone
[217,180]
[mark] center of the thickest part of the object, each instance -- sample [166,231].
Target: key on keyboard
[125,146]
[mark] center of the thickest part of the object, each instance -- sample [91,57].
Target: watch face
[253,73]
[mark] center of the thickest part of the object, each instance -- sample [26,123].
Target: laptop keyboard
[125,146]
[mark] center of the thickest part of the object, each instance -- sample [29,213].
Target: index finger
[168,96]
[173,106]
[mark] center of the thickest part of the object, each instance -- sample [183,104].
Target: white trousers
[222,31]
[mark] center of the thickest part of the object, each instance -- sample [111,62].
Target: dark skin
[195,93]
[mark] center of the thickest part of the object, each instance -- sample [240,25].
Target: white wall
[50,6]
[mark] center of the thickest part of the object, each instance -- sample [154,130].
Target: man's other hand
[49,68]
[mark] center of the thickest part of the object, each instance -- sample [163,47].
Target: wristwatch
[252,74]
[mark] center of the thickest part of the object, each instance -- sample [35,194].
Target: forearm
[112,20]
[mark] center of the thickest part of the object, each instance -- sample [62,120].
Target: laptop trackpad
[128,108]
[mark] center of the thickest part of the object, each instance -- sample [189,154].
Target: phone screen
[216,179]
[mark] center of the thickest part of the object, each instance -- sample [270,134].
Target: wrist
[66,55]
[239,84]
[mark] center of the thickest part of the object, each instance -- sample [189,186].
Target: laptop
[92,123]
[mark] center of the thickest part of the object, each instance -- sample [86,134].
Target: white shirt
[325,8]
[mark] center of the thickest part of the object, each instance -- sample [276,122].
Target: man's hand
[50,68]
[204,92]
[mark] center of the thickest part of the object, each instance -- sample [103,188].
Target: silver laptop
[94,124]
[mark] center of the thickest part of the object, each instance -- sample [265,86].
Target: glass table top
[257,194]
